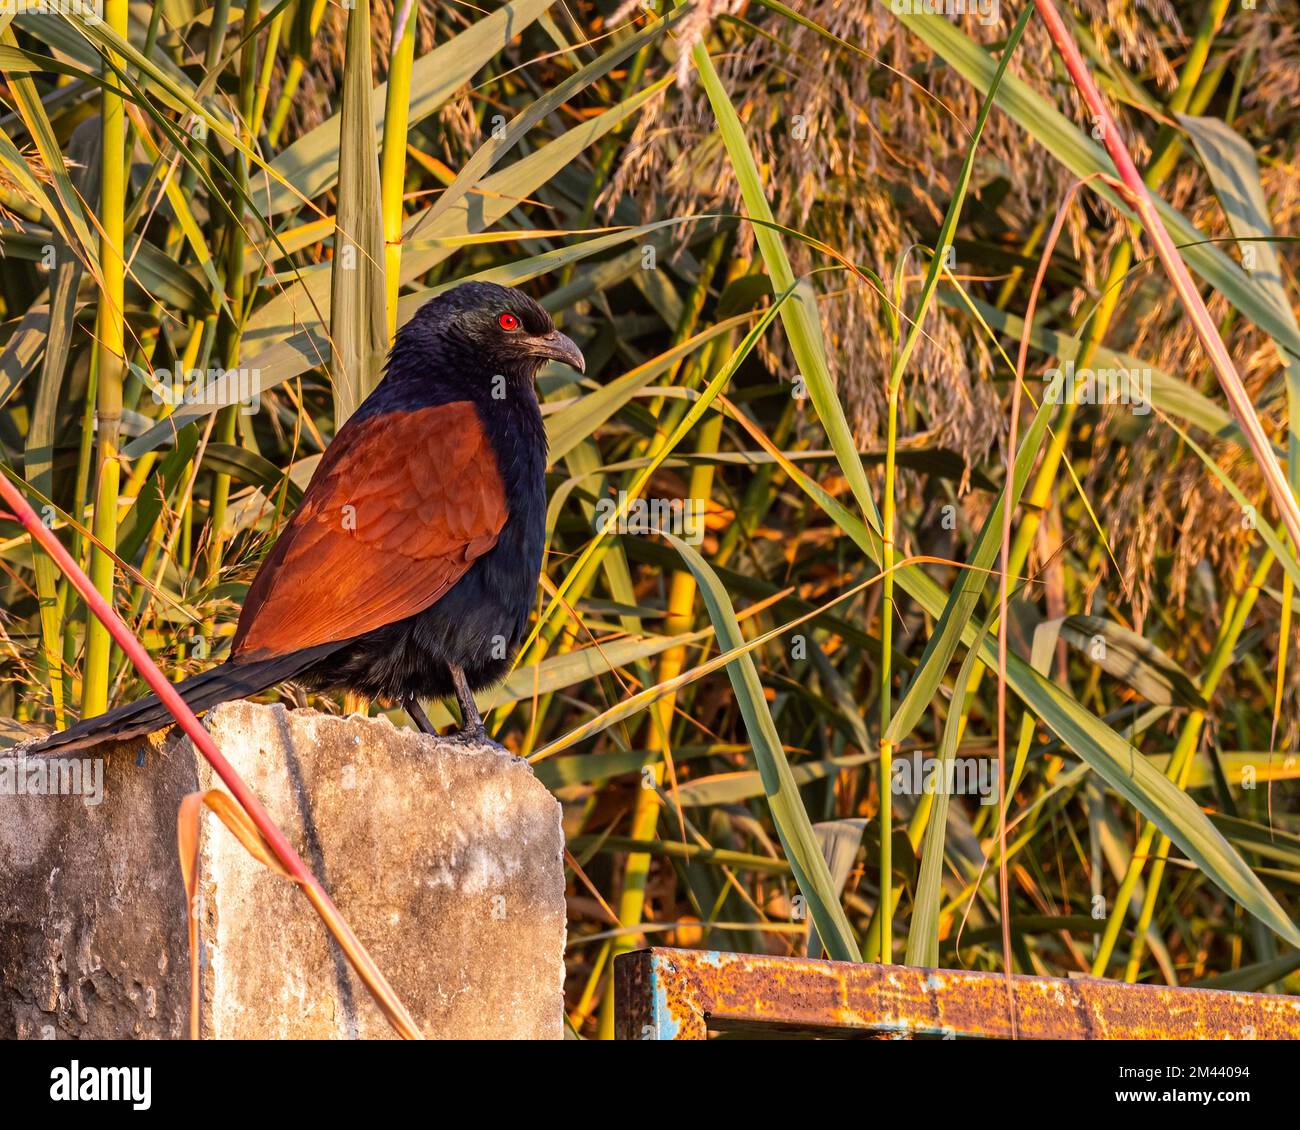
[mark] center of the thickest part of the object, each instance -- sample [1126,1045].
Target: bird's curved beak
[556,346]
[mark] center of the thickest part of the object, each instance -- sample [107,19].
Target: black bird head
[493,329]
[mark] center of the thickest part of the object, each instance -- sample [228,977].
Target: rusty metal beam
[674,994]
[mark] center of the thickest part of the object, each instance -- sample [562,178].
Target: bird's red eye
[507,321]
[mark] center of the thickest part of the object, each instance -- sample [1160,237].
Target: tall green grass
[719,718]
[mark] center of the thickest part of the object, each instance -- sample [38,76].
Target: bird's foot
[471,735]
[472,731]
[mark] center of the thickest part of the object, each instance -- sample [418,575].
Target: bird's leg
[412,707]
[471,721]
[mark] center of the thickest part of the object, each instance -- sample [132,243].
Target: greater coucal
[409,568]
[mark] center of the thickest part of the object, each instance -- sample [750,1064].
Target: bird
[409,569]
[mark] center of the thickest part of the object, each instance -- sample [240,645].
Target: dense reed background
[734,207]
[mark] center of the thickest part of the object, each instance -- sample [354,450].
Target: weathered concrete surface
[92,911]
[445,858]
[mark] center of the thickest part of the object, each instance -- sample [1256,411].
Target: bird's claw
[471,735]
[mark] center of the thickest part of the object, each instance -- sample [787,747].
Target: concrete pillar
[445,858]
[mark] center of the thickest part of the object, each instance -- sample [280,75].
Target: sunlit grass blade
[788,812]
[923,930]
[358,318]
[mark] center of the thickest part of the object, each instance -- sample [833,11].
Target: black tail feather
[201,692]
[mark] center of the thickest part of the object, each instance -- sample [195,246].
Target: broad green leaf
[592,768]
[27,99]
[159,489]
[1234,173]
[840,841]
[1132,659]
[791,818]
[247,466]
[12,162]
[160,278]
[923,932]
[358,317]
[1239,767]
[745,784]
[1253,978]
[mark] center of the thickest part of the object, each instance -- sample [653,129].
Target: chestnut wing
[399,508]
